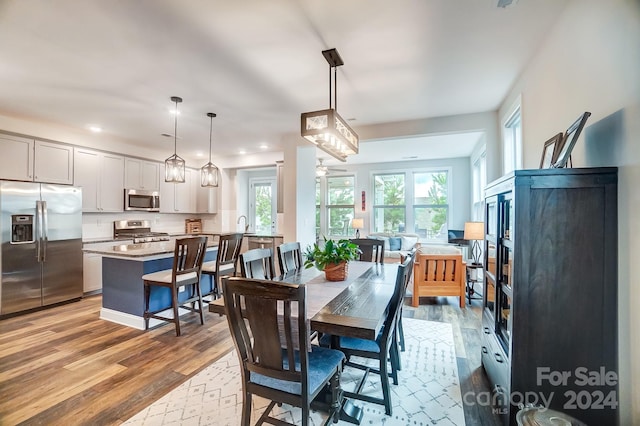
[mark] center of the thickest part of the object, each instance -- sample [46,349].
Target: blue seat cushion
[322,364]
[353,343]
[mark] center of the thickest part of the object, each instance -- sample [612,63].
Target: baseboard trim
[135,321]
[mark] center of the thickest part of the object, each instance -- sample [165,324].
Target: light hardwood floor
[65,366]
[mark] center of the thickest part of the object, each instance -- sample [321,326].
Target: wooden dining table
[355,307]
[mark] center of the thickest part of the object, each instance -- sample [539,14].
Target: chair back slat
[253,308]
[257,263]
[289,257]
[442,268]
[372,250]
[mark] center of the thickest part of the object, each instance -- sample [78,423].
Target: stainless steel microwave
[141,200]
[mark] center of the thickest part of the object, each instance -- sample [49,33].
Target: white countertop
[139,252]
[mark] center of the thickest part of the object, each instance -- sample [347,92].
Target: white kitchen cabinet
[101,176]
[92,272]
[206,199]
[53,163]
[141,174]
[16,161]
[178,197]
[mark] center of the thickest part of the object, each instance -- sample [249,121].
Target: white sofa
[396,245]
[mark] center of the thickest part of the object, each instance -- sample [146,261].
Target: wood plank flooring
[65,366]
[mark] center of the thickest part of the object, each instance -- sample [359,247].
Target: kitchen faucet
[246,225]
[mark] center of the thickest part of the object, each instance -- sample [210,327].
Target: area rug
[428,392]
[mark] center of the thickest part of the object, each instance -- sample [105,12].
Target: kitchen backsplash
[100,225]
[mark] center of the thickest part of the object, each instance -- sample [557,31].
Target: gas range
[138,230]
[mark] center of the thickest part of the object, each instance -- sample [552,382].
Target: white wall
[590,61]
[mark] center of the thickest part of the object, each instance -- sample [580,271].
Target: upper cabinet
[206,199]
[178,197]
[53,163]
[141,174]
[101,176]
[16,161]
[29,160]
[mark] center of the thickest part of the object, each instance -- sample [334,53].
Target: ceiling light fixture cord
[175,127]
[210,133]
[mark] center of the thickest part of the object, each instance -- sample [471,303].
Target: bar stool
[225,263]
[187,265]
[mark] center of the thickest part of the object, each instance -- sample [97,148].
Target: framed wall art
[570,139]
[550,150]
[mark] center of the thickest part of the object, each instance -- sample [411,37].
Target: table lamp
[357,224]
[474,231]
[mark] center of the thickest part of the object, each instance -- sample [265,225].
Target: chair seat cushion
[210,267]
[353,343]
[164,276]
[322,364]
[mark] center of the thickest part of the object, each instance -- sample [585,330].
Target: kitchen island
[123,266]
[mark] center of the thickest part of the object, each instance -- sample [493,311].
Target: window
[414,201]
[431,204]
[512,141]
[263,205]
[479,170]
[389,210]
[318,210]
[340,205]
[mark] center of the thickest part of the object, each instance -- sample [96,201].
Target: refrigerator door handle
[39,226]
[45,231]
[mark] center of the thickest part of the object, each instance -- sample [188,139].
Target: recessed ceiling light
[95,129]
[264,146]
[242,152]
[199,154]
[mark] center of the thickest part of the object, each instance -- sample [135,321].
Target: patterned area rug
[428,392]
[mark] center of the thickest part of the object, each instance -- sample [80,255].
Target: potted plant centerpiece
[332,258]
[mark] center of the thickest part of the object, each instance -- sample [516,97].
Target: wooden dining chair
[372,250]
[384,348]
[257,263]
[289,257]
[187,265]
[225,263]
[276,363]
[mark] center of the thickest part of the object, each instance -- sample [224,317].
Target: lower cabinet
[92,272]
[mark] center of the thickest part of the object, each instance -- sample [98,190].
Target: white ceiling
[258,64]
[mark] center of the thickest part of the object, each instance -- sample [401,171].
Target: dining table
[355,307]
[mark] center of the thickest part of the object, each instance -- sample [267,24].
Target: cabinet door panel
[132,173]
[86,176]
[53,163]
[112,183]
[150,176]
[16,161]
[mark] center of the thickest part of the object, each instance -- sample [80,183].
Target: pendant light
[325,128]
[209,172]
[174,165]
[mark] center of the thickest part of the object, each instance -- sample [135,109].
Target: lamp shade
[474,231]
[357,223]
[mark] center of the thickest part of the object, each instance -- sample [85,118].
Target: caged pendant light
[174,165]
[209,173]
[325,128]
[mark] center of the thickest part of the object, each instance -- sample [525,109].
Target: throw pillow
[408,243]
[395,243]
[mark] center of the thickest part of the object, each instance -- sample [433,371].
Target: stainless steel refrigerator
[41,256]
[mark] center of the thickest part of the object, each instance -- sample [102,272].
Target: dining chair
[289,257]
[384,348]
[225,263]
[372,250]
[186,271]
[257,263]
[278,364]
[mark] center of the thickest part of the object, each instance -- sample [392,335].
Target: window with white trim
[512,142]
[340,206]
[421,206]
[479,182]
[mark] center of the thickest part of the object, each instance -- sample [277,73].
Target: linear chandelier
[209,172]
[325,128]
[174,166]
